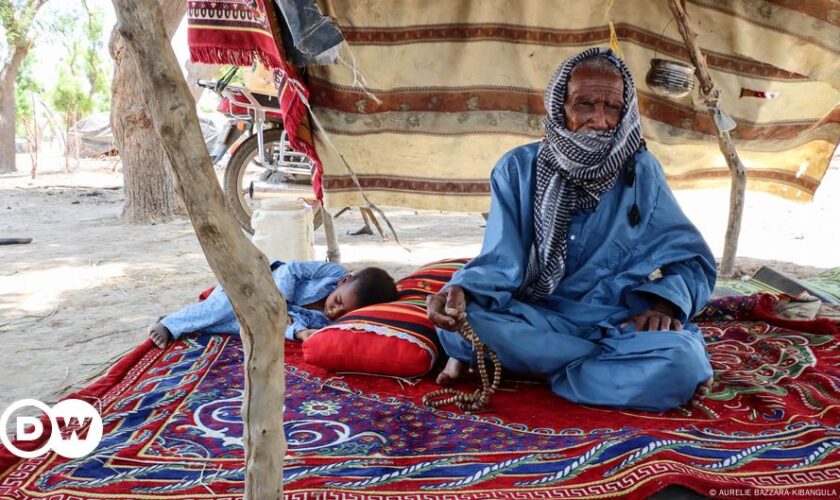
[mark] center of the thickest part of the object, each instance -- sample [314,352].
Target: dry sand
[82,293]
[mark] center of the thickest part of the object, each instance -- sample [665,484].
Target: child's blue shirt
[301,283]
[304,283]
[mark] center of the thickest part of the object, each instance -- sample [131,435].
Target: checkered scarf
[573,170]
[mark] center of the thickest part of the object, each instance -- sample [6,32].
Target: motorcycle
[264,161]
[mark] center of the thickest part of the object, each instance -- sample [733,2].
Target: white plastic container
[283,229]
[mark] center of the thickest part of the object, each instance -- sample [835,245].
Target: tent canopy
[457,84]
[460,83]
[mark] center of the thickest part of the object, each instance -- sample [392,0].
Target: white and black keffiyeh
[573,170]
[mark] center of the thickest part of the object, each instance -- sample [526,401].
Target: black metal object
[15,241]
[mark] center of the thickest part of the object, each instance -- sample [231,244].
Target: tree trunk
[737,195]
[67,147]
[33,138]
[150,194]
[7,108]
[241,269]
[737,171]
[7,126]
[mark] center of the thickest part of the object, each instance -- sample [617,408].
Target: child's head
[369,286]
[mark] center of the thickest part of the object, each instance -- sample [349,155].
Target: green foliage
[95,69]
[12,29]
[70,98]
[83,78]
[25,86]
[65,30]
[17,25]
[16,19]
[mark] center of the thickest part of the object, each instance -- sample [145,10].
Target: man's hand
[304,334]
[663,316]
[448,308]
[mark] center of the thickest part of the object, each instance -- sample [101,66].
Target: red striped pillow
[394,339]
[428,279]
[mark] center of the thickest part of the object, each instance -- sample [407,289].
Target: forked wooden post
[333,250]
[239,266]
[737,171]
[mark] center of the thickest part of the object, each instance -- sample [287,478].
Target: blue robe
[301,283]
[574,337]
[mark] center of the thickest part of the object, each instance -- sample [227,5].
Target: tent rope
[369,204]
[613,35]
[359,80]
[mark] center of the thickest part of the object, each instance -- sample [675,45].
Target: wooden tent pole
[241,269]
[333,249]
[737,171]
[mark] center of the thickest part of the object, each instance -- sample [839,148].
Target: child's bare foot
[450,372]
[701,392]
[160,335]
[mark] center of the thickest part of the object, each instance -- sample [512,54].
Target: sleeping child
[316,294]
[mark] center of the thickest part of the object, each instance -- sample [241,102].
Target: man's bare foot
[160,335]
[450,372]
[701,392]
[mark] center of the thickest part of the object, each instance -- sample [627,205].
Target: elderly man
[578,223]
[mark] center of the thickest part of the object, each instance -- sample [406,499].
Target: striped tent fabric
[460,83]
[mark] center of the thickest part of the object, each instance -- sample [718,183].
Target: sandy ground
[82,293]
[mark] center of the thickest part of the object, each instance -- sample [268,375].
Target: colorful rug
[770,426]
[230,32]
[825,285]
[241,32]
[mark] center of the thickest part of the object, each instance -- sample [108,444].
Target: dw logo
[66,419]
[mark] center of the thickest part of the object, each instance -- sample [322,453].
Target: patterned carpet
[825,285]
[173,429]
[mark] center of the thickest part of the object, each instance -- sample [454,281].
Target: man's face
[595,100]
[342,300]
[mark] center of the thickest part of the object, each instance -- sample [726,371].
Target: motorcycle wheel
[243,168]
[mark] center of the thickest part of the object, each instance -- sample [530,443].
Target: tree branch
[29,12]
[737,171]
[12,63]
[17,28]
[7,17]
[241,269]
